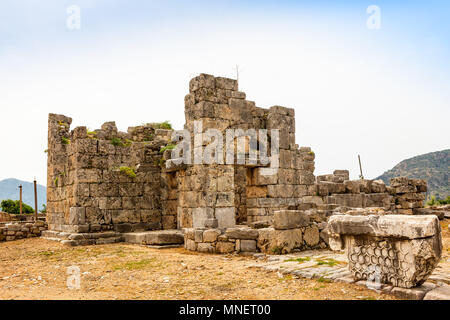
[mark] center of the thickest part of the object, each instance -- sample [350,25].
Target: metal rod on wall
[35,201]
[20,188]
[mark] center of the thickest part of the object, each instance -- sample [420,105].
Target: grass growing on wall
[168,147]
[163,125]
[130,172]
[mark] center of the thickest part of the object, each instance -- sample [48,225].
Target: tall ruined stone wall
[110,180]
[220,194]
[104,179]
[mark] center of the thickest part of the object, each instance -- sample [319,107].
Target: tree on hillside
[13,207]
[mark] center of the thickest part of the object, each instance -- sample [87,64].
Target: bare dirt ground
[37,269]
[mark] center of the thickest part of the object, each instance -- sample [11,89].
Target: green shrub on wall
[130,172]
[435,202]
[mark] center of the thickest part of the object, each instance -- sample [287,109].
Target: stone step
[51,239]
[55,235]
[158,237]
[166,246]
[439,293]
[98,241]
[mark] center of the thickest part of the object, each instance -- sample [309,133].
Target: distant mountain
[9,189]
[433,167]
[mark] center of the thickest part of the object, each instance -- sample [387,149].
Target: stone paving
[326,265]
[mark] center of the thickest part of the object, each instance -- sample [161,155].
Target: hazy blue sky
[384,94]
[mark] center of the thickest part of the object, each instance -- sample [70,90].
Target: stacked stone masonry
[293,230]
[403,196]
[106,181]
[222,194]
[21,230]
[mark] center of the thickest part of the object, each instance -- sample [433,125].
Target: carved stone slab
[393,249]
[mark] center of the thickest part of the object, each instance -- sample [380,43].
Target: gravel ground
[37,269]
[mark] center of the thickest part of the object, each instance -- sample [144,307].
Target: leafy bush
[444,201]
[128,143]
[117,142]
[13,207]
[432,201]
[168,147]
[436,202]
[91,134]
[149,137]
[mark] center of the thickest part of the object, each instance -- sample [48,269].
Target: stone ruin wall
[403,196]
[218,104]
[87,191]
[230,208]
[5,217]
[222,194]
[21,230]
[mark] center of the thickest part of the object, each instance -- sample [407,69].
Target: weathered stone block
[378,186]
[439,293]
[202,81]
[205,247]
[352,186]
[351,200]
[290,219]
[190,245]
[280,191]
[200,216]
[211,235]
[242,233]
[256,191]
[247,246]
[392,249]
[225,83]
[311,236]
[77,215]
[198,235]
[211,223]
[261,176]
[225,247]
[225,217]
[343,173]
[279,241]
[159,237]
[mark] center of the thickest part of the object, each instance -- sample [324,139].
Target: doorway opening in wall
[241,176]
